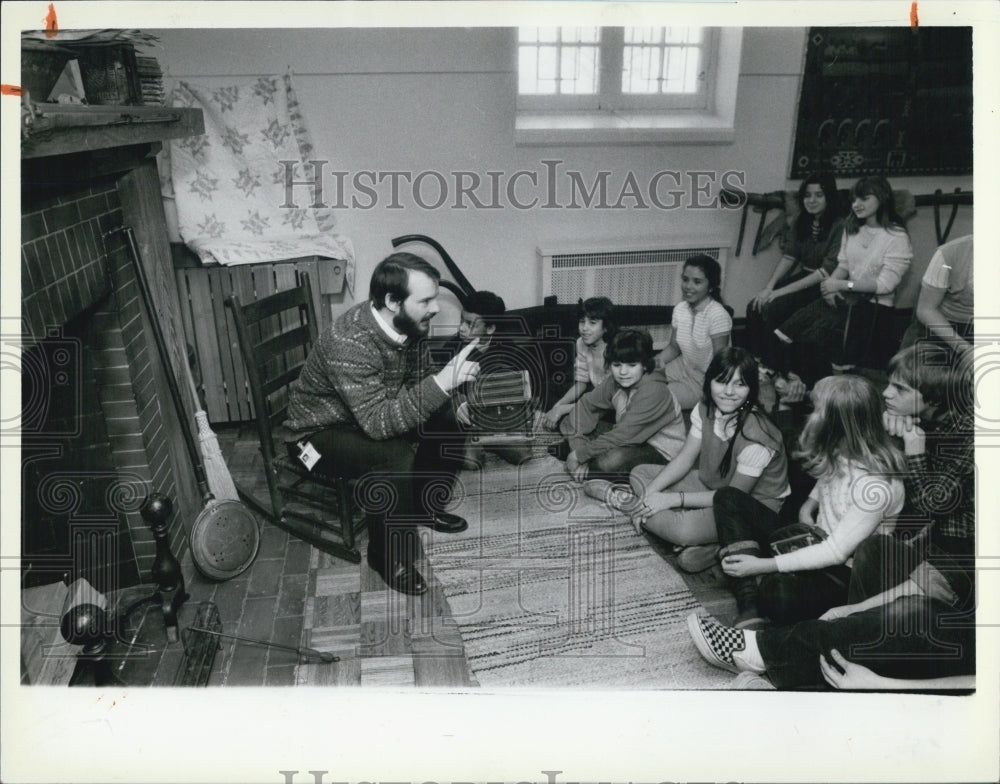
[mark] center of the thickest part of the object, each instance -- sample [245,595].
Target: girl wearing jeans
[809,256]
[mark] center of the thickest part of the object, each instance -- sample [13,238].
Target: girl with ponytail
[700,328]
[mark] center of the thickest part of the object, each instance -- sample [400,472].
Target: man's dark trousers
[399,486]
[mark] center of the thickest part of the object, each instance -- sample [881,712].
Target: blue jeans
[913,637]
[616,463]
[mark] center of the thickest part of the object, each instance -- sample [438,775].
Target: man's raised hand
[459,370]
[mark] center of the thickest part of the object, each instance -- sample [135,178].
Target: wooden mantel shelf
[61,129]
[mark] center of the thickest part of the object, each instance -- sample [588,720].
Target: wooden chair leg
[318,538]
[346,511]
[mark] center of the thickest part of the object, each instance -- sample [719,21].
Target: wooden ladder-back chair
[276,334]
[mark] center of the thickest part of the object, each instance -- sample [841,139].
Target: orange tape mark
[914,21]
[10,89]
[51,24]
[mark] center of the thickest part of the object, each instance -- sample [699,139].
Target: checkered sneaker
[715,642]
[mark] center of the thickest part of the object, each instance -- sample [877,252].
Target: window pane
[682,35]
[674,71]
[681,71]
[693,71]
[548,69]
[582,35]
[558,60]
[643,35]
[654,61]
[579,70]
[527,70]
[641,70]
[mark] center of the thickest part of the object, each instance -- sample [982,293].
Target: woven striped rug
[550,588]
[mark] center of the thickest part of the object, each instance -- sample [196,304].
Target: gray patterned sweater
[356,375]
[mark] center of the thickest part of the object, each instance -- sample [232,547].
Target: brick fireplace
[98,430]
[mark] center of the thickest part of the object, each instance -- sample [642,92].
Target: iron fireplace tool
[195,631]
[225,536]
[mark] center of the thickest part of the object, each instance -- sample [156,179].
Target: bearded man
[363,405]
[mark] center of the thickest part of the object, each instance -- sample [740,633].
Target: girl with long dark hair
[853,322]
[809,256]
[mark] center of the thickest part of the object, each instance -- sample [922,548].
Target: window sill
[544,128]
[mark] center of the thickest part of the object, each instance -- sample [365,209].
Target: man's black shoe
[402,577]
[447,523]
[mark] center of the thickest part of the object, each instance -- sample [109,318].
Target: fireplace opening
[74,497]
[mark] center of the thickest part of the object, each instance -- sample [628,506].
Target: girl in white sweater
[844,444]
[855,317]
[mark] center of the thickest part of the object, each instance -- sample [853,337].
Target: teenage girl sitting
[731,443]
[844,444]
[809,257]
[855,316]
[700,328]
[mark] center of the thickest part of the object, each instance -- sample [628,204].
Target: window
[627,84]
[610,68]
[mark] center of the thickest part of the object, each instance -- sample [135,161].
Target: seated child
[597,329]
[499,355]
[923,589]
[930,644]
[944,312]
[700,329]
[851,324]
[928,404]
[846,447]
[480,315]
[648,424]
[731,443]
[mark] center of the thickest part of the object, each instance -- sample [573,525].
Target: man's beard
[412,329]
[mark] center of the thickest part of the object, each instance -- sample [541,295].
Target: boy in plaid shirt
[929,406]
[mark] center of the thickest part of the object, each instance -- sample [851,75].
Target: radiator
[646,273]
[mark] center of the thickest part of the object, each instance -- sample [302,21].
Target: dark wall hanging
[895,101]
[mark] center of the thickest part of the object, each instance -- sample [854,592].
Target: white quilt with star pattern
[230,184]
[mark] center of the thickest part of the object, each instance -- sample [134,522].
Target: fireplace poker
[224,537]
[324,656]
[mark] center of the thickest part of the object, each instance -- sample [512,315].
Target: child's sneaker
[715,642]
